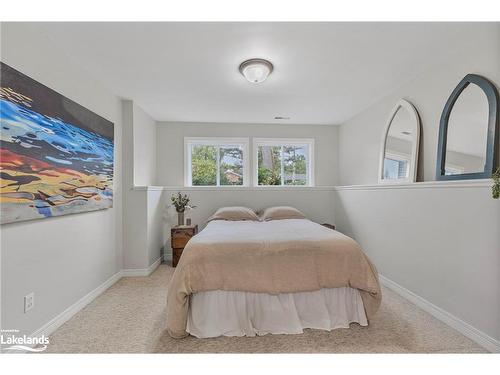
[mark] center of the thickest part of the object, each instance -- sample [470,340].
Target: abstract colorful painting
[56,157]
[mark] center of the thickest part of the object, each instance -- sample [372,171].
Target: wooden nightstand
[331,226]
[179,237]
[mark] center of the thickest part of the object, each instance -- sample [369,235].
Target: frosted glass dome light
[256,70]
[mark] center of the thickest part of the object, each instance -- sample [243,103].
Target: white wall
[441,243]
[144,134]
[142,234]
[60,259]
[438,241]
[360,137]
[170,146]
[155,224]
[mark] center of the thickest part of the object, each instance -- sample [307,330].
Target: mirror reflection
[399,146]
[467,133]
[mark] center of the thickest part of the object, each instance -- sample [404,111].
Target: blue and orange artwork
[56,157]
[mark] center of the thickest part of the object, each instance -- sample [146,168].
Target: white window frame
[309,142]
[215,141]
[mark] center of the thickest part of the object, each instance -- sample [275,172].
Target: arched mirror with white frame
[399,146]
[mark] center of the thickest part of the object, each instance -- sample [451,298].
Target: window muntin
[283,162]
[216,161]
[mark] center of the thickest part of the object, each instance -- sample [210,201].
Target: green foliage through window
[269,159]
[204,165]
[294,160]
[231,165]
[214,165]
[282,165]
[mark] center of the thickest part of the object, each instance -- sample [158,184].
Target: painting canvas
[56,156]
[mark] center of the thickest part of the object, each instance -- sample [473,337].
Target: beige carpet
[130,317]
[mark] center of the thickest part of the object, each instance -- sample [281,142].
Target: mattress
[232,313]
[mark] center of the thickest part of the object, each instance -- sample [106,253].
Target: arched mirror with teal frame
[469,131]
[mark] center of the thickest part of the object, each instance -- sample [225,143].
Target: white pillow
[234,214]
[280,213]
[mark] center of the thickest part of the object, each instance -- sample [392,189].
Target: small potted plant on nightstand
[181,204]
[495,189]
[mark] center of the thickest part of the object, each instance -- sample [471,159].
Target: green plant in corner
[495,189]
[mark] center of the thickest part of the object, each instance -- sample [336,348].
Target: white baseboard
[134,272]
[67,314]
[487,342]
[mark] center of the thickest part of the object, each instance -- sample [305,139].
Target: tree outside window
[283,164]
[216,164]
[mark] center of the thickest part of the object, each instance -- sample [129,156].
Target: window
[283,162]
[216,161]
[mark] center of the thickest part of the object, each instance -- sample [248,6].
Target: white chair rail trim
[234,188]
[483,183]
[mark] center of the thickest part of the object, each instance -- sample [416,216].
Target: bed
[247,278]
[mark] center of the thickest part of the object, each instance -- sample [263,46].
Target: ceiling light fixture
[256,70]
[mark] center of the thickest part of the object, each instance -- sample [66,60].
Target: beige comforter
[281,256]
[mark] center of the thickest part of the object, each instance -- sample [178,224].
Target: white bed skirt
[223,313]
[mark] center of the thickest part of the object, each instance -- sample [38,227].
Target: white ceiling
[325,73]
